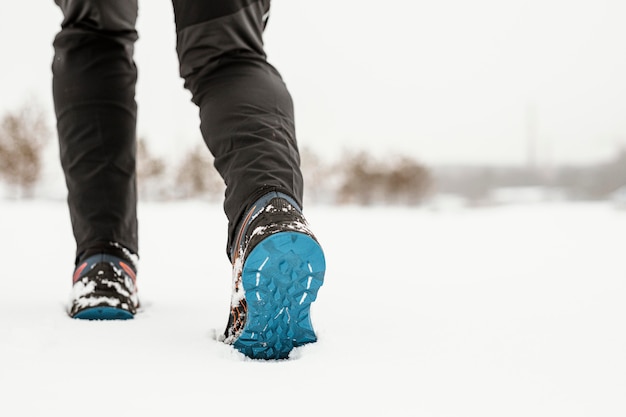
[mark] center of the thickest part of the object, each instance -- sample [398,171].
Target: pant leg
[94,79]
[246,111]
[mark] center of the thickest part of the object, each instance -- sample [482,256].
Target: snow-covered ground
[508,311]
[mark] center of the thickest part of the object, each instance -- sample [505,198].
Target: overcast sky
[446,81]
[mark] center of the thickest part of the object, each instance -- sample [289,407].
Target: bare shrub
[397,180]
[23,136]
[150,172]
[361,179]
[319,177]
[405,181]
[196,176]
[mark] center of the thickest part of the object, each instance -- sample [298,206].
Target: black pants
[246,112]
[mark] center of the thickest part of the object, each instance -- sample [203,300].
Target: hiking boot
[104,289]
[278,267]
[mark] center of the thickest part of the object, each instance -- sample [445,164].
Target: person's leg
[247,122]
[246,111]
[94,78]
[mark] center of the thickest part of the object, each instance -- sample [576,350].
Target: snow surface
[505,311]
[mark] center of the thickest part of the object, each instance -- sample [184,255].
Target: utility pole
[531,137]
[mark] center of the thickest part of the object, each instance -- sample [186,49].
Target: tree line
[357,177]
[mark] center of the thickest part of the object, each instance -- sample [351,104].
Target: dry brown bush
[150,172]
[196,176]
[395,180]
[23,136]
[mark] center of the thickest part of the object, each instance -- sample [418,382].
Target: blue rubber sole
[281,278]
[103,313]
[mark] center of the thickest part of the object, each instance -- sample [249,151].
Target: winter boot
[278,267]
[104,289]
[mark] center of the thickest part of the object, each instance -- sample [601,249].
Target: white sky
[446,81]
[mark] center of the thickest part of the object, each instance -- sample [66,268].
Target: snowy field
[503,312]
